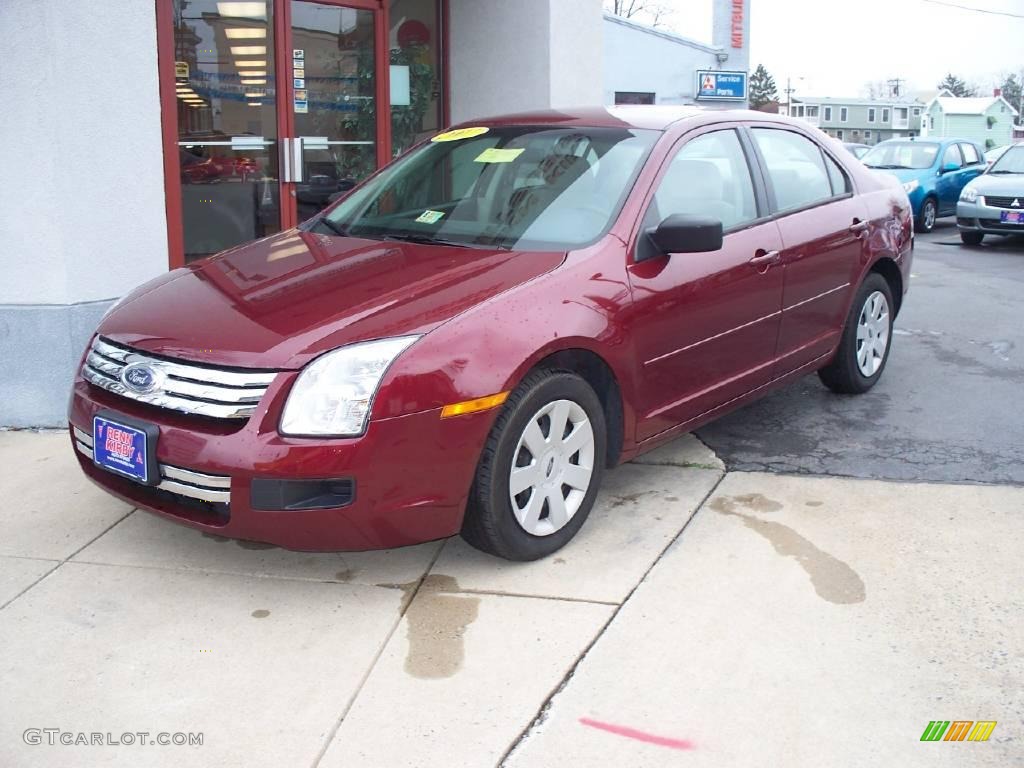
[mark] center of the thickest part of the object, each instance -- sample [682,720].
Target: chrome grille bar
[184,482]
[215,392]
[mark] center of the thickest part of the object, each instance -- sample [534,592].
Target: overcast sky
[838,47]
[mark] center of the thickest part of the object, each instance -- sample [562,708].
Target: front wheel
[972,238]
[540,469]
[926,218]
[867,336]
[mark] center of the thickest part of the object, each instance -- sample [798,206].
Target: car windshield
[1012,161]
[901,154]
[510,187]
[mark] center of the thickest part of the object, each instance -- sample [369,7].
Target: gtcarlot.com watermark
[57,736]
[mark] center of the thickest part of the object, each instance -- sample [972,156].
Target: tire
[929,212]
[972,238]
[848,373]
[529,526]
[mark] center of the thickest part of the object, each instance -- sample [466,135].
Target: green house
[987,120]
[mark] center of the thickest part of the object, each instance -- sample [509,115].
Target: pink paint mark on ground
[633,733]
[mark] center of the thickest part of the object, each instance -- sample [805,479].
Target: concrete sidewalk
[703,619]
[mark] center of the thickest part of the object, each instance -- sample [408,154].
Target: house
[860,121]
[987,120]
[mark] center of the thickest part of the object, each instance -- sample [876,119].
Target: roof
[663,34]
[969,105]
[624,116]
[857,102]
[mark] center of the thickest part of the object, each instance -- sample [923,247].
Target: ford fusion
[470,338]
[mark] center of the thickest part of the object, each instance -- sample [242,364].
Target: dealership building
[145,135]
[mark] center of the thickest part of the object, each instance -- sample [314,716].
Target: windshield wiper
[890,167]
[425,239]
[1003,170]
[335,228]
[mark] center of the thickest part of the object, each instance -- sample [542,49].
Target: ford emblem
[141,377]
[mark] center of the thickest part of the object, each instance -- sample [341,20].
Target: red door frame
[284,100]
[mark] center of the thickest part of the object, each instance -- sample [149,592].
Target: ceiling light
[197,105]
[254,73]
[243,10]
[255,103]
[253,81]
[243,63]
[244,33]
[255,95]
[249,50]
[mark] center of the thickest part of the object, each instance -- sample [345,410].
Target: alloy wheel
[552,467]
[872,334]
[929,215]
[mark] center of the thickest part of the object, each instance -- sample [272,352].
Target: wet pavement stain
[254,544]
[261,613]
[436,628]
[630,498]
[814,503]
[831,578]
[345,576]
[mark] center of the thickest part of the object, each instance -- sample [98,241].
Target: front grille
[995,201]
[219,393]
[177,480]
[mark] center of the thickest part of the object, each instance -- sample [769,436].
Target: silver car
[993,203]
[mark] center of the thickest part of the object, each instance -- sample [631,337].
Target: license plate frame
[1012,217]
[133,455]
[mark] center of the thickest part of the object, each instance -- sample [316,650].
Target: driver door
[706,324]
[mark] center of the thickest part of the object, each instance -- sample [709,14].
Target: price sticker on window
[461,133]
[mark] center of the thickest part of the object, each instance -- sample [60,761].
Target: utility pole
[894,87]
[789,95]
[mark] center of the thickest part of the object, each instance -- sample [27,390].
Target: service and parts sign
[718,85]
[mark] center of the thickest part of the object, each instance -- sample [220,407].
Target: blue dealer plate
[121,449]
[1012,217]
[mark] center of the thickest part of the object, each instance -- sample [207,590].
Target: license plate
[124,449]
[1011,217]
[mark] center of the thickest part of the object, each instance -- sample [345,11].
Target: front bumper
[971,217]
[410,476]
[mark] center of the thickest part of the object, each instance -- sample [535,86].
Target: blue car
[933,171]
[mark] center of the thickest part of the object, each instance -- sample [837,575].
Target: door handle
[859,226]
[765,258]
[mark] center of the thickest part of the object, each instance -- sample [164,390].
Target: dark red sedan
[466,341]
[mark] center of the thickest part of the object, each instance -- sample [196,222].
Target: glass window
[917,111]
[1010,162]
[840,184]
[416,88]
[795,168]
[871,115]
[511,187]
[828,114]
[971,155]
[634,97]
[885,115]
[843,114]
[812,111]
[952,156]
[708,176]
[867,134]
[893,155]
[227,125]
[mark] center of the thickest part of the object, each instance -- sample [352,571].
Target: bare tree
[651,10]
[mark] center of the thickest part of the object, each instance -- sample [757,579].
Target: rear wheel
[926,218]
[540,469]
[972,238]
[867,336]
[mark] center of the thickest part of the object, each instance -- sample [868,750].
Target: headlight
[910,186]
[333,394]
[969,195]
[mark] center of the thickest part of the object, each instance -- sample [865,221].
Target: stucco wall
[530,54]
[82,210]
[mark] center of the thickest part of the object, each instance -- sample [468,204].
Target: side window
[795,168]
[952,155]
[840,184]
[970,154]
[708,176]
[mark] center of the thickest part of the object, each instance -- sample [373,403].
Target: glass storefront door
[281,106]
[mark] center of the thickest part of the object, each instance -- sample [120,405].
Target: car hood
[1000,184]
[280,301]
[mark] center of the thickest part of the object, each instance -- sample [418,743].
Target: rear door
[974,165]
[821,222]
[949,183]
[705,324]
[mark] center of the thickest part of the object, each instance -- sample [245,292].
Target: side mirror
[687,233]
[949,167]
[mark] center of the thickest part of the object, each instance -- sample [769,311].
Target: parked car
[995,153]
[857,150]
[467,340]
[933,172]
[993,204]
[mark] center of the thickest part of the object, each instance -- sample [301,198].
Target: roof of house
[972,105]
[857,102]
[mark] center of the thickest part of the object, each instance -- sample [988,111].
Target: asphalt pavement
[949,406]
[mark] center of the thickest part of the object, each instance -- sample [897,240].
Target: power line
[976,10]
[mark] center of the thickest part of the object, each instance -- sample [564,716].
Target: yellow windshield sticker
[430,217]
[460,133]
[494,155]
